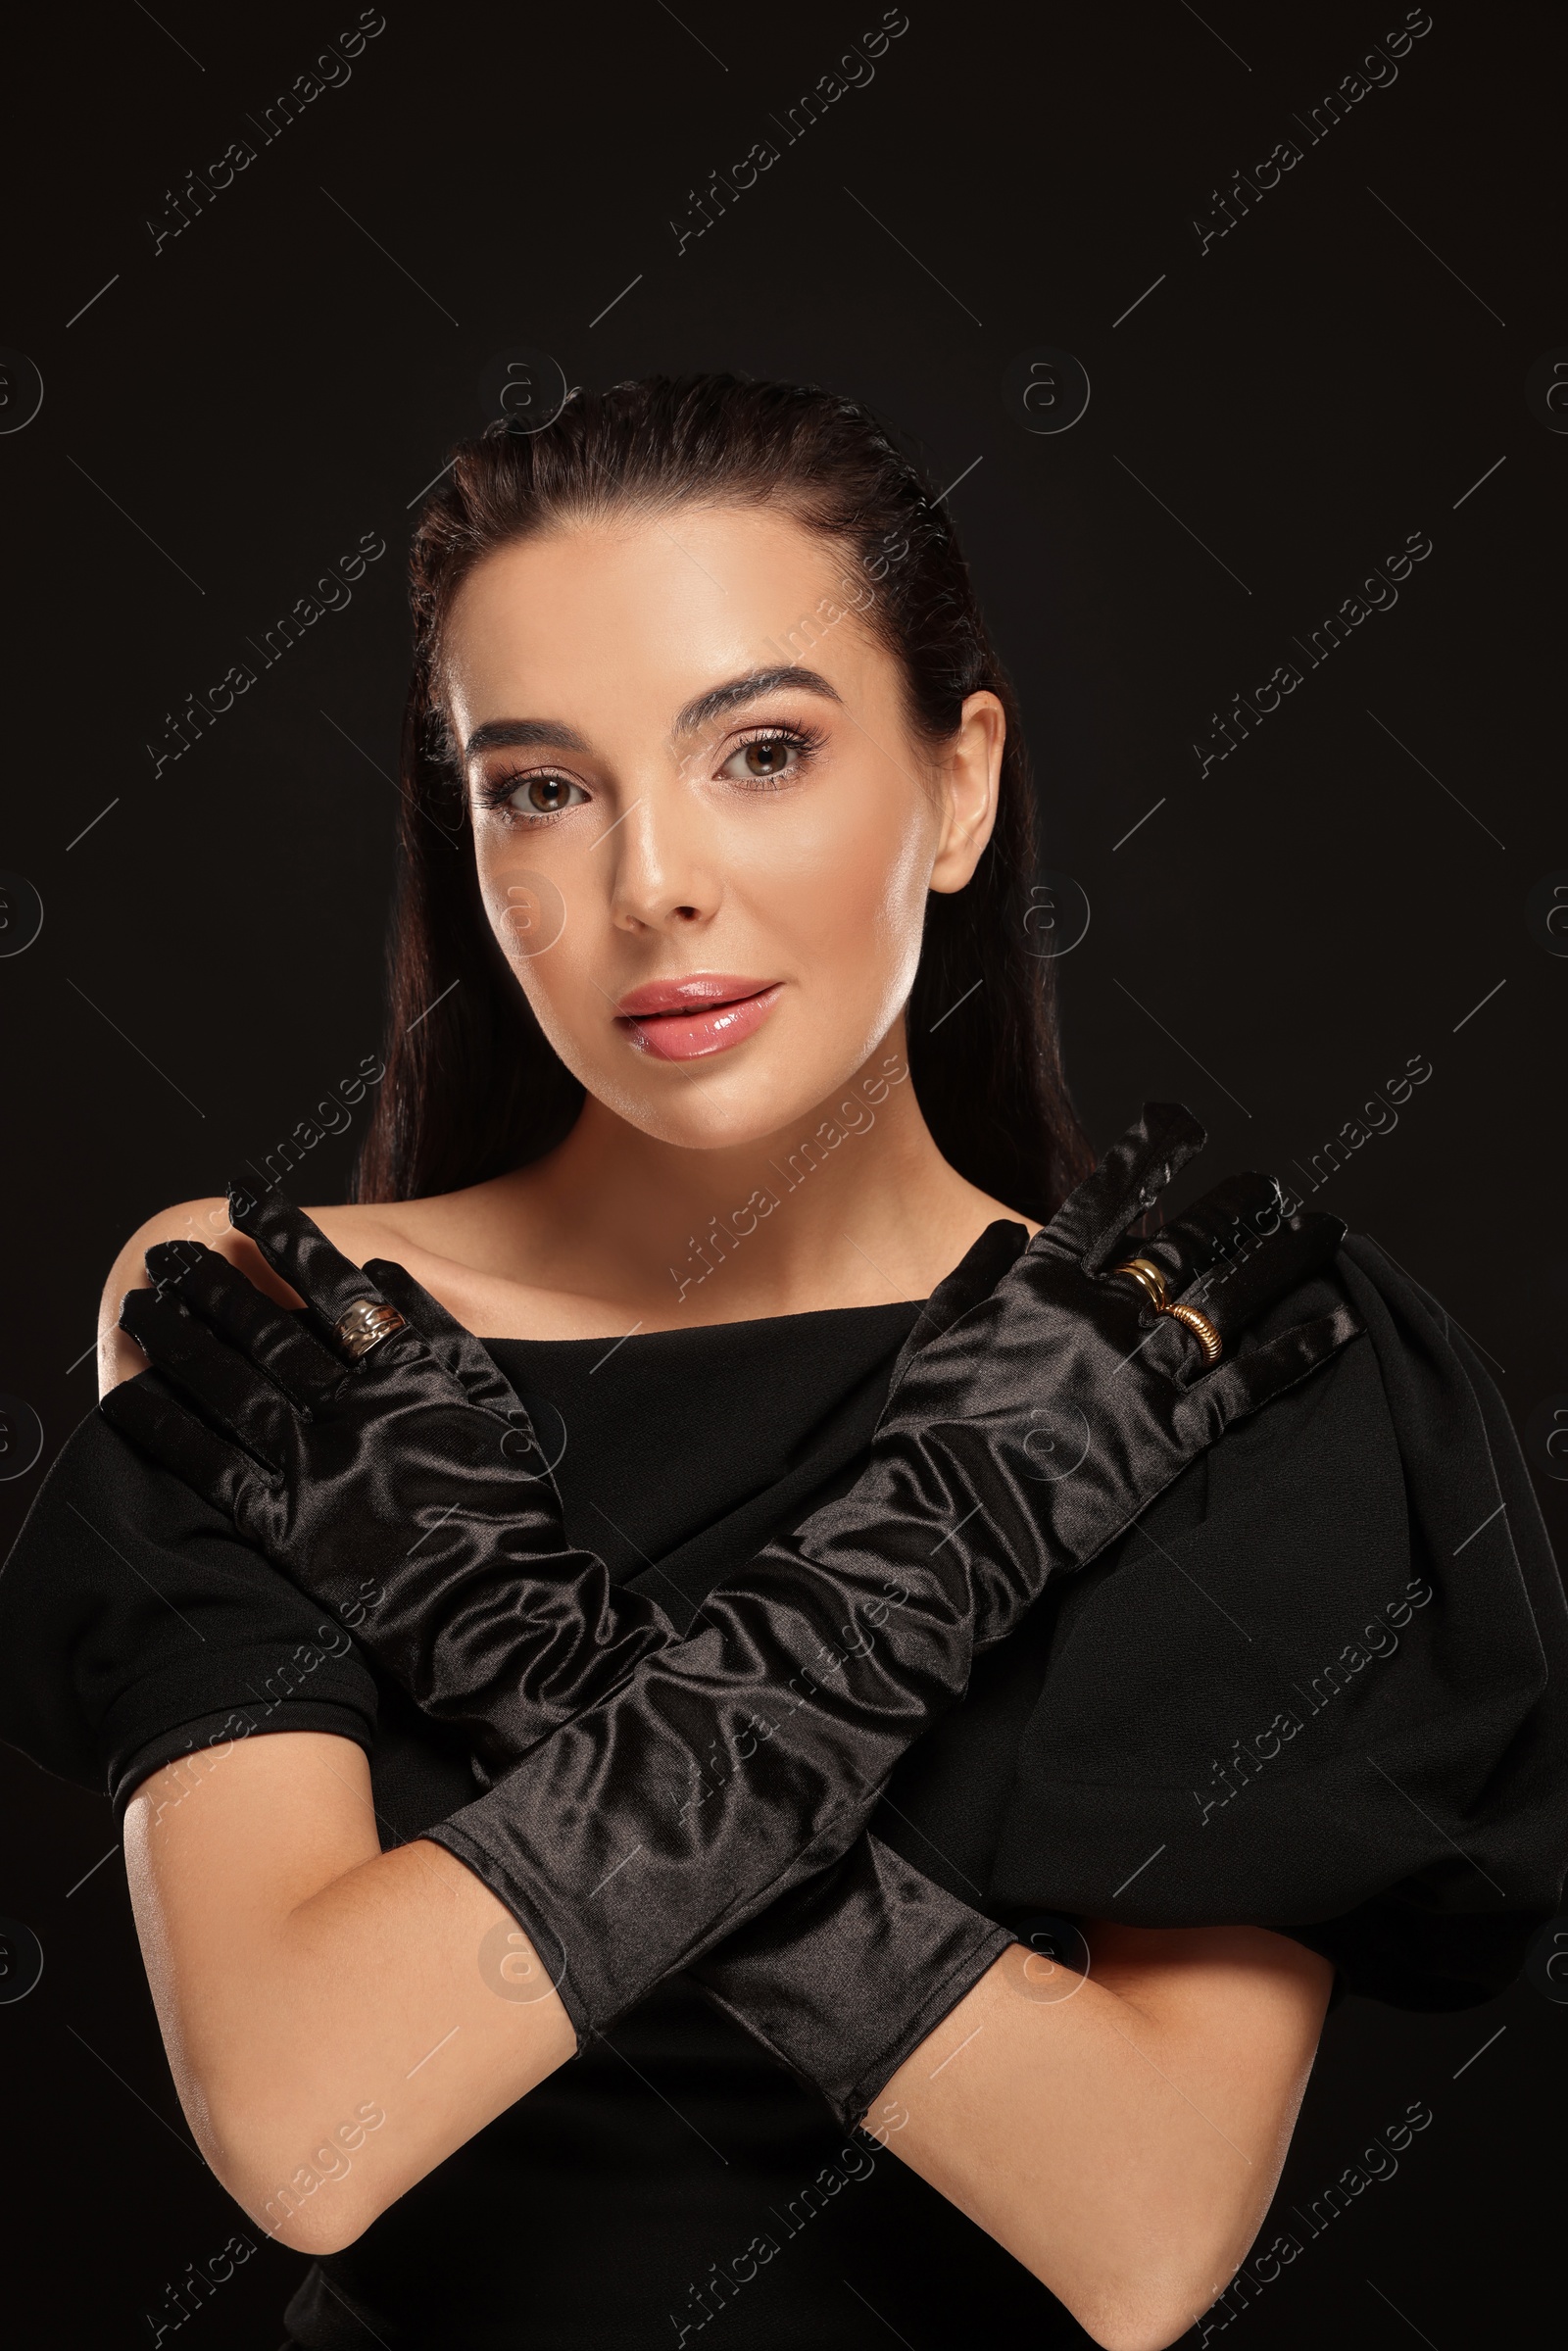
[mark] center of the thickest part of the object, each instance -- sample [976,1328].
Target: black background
[231,411]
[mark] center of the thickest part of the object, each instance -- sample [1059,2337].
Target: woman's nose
[662,871]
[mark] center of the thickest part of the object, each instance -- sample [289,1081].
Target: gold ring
[1151,1282]
[1200,1324]
[366,1324]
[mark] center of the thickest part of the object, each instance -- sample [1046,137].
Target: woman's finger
[1129,1179]
[146,1412]
[230,1391]
[300,1251]
[270,1336]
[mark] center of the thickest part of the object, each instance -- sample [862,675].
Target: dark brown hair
[471,1086]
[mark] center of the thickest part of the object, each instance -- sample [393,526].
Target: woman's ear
[968,781]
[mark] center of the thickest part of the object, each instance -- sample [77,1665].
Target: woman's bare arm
[339,2020]
[330,2028]
[1121,2132]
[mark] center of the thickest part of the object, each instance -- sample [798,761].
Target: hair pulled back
[472,1088]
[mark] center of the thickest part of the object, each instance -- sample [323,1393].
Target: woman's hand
[955,1444]
[1124,2286]
[404,1489]
[784,1716]
[491,1617]
[371,1447]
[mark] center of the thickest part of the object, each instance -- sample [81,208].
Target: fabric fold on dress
[1365,1562]
[1338,1705]
[1322,1685]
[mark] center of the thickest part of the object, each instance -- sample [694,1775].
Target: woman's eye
[535,796]
[767,759]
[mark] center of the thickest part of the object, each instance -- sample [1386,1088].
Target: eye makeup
[795,746]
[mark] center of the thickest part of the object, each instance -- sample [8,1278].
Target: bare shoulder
[447,1242]
[360,1232]
[205,1220]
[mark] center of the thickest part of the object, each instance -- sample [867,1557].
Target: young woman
[628,1684]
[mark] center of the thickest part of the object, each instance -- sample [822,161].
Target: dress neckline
[755,1322]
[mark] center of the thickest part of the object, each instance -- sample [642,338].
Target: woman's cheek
[896,908]
[528,910]
[546,943]
[833,873]
[567,1000]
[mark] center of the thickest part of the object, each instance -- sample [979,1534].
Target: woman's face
[703,831]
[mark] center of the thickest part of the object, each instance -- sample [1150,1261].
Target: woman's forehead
[655,611]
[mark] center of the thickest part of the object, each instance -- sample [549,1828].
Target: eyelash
[805,741]
[497,792]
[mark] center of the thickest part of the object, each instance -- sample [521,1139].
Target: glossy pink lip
[682,1021]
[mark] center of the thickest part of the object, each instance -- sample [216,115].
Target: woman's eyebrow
[720,701]
[516,734]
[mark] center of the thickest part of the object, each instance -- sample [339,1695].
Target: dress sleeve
[136,1626]
[1326,1691]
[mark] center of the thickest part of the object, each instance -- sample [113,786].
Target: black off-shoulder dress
[1322,1686]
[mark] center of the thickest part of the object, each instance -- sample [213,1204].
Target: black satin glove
[390,1488]
[488,1615]
[829,1756]
[731,1768]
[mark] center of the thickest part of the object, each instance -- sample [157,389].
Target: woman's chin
[771,1083]
[720,1102]
[705,1125]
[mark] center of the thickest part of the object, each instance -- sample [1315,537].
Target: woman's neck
[849,1205]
